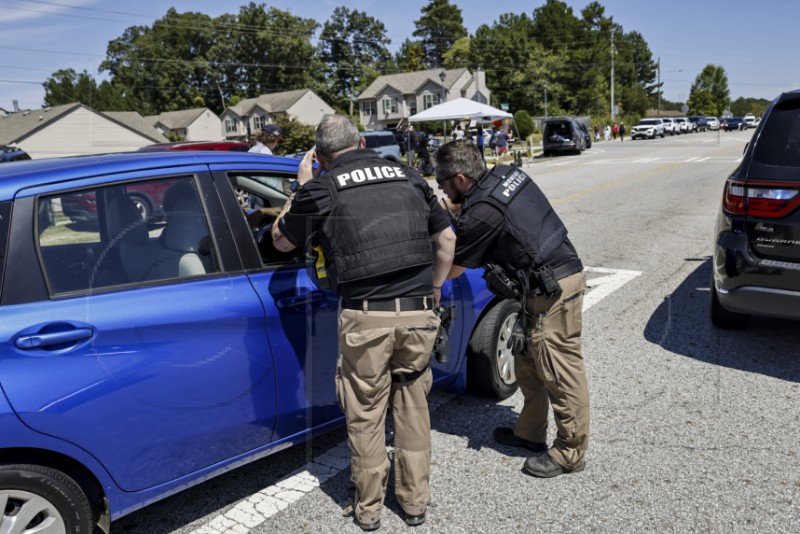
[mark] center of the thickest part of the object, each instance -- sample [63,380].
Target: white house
[73,129]
[392,98]
[200,124]
[243,119]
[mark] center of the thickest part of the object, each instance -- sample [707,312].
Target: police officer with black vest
[506,225]
[388,247]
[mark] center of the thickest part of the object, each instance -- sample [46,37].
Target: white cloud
[26,11]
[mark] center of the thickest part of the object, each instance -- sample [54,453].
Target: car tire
[143,206]
[490,363]
[55,497]
[722,318]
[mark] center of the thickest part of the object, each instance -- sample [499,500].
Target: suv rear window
[779,142]
[374,141]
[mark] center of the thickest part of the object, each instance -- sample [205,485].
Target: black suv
[564,134]
[756,261]
[700,123]
[12,153]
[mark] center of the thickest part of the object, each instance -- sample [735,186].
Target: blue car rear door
[145,346]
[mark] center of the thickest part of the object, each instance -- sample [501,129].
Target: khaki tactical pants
[553,373]
[373,346]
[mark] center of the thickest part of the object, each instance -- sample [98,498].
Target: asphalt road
[693,429]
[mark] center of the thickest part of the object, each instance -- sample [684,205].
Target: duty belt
[399,304]
[569,268]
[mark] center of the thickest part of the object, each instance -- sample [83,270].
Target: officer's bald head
[336,134]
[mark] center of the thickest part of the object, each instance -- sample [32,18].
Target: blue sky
[755,42]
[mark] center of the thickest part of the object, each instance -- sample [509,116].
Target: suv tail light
[767,199]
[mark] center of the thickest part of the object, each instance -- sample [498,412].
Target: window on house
[369,108]
[259,121]
[230,126]
[389,105]
[430,100]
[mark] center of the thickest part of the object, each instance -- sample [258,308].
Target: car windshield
[648,122]
[779,142]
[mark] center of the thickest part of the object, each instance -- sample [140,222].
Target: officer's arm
[444,243]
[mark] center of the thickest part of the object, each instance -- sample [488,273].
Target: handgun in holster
[499,283]
[441,347]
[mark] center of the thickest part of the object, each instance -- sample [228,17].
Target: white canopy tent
[460,108]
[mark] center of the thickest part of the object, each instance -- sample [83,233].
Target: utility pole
[613,52]
[658,86]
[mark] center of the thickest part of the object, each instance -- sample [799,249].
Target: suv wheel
[722,318]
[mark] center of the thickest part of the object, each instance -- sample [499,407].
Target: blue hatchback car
[144,352]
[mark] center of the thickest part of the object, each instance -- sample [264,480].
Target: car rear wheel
[490,359]
[722,318]
[37,499]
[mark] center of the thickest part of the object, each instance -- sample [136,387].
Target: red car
[234,146]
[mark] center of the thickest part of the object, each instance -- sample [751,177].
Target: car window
[260,190]
[5,214]
[124,234]
[779,142]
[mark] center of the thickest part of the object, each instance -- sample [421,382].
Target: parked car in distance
[749,121]
[141,357]
[648,129]
[700,123]
[587,136]
[756,256]
[670,126]
[732,123]
[12,153]
[562,134]
[382,142]
[234,146]
[713,123]
[684,126]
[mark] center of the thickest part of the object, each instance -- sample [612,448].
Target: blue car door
[146,346]
[301,317]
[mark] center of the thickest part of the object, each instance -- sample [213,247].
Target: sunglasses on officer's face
[441,181]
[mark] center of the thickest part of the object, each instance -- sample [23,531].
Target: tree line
[189,60]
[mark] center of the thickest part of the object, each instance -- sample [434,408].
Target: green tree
[66,87]
[411,56]
[458,55]
[524,123]
[743,106]
[440,26]
[297,137]
[709,93]
[517,66]
[353,49]
[187,58]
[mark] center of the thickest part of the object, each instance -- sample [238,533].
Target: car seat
[129,235]
[184,240]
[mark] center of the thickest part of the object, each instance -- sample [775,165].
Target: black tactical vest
[378,223]
[533,230]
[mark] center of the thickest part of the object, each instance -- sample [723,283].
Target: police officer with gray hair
[388,247]
[507,225]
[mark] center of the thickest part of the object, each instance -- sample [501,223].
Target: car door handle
[315,299]
[36,341]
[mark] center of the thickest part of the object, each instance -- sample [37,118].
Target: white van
[713,123]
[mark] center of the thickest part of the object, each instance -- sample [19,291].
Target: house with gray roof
[200,124]
[243,119]
[74,129]
[391,99]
